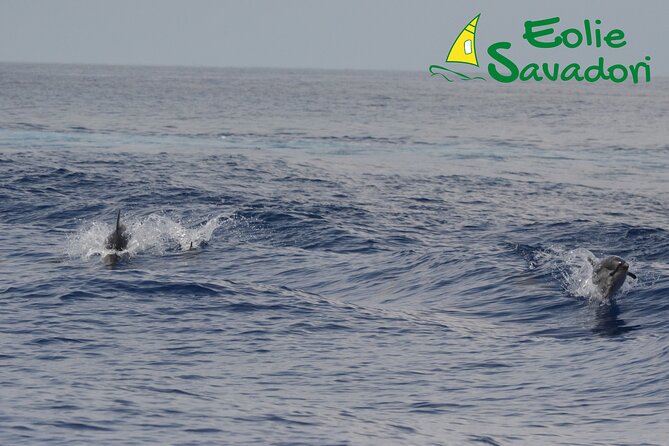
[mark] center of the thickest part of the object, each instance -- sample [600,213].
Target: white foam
[154,233]
[574,271]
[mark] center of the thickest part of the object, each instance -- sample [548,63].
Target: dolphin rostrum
[609,274]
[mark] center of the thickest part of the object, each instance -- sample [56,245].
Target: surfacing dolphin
[117,241]
[609,274]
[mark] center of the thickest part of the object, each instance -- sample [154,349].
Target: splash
[155,234]
[574,270]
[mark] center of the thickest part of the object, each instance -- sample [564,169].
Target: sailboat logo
[462,51]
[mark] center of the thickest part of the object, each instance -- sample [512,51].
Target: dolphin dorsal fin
[118,219]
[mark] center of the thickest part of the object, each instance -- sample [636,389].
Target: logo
[540,34]
[463,50]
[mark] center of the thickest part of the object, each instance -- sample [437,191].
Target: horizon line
[237,67]
[234,67]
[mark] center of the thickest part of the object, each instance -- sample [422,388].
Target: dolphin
[609,274]
[117,241]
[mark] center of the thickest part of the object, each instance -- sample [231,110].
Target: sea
[330,258]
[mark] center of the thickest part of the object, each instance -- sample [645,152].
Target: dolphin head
[609,275]
[615,265]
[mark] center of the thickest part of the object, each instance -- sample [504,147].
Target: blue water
[380,258]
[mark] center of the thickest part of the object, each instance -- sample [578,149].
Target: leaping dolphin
[608,275]
[117,241]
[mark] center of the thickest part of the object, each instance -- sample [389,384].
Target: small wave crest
[154,233]
[573,269]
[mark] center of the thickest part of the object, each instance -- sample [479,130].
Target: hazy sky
[358,34]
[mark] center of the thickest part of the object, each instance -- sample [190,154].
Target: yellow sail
[464,48]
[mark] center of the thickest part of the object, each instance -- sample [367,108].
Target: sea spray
[155,233]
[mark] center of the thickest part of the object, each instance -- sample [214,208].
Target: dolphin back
[118,239]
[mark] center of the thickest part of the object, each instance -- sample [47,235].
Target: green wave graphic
[463,77]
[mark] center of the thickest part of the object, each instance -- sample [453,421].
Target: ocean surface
[378,258]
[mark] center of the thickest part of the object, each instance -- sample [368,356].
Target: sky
[341,34]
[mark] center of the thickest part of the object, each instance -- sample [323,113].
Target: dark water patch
[437,408]
[404,428]
[58,340]
[81,426]
[306,327]
[79,128]
[247,307]
[174,288]
[204,430]
[282,420]
[482,439]
[79,295]
[30,126]
[172,391]
[50,358]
